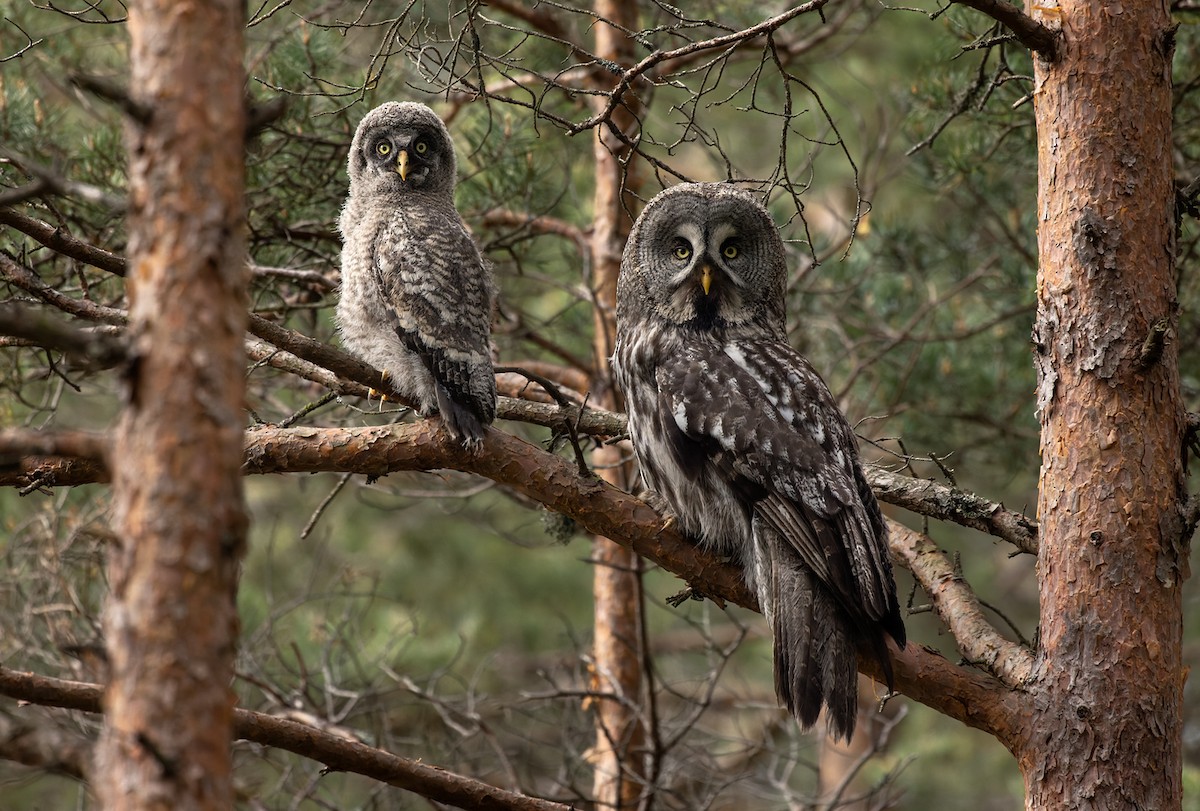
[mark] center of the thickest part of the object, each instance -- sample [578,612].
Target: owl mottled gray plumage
[416,297]
[746,446]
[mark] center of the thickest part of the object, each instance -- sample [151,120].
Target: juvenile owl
[416,298]
[745,445]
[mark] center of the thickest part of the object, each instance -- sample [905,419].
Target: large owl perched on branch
[416,298]
[745,444]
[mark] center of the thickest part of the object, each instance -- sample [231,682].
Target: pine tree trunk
[1106,729]
[171,622]
[619,757]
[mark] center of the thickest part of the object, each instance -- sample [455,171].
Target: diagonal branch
[94,349]
[431,782]
[971,697]
[959,608]
[58,240]
[1028,31]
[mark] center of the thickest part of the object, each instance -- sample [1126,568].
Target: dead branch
[959,608]
[628,77]
[333,750]
[939,501]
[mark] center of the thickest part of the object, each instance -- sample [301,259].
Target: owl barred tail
[744,442]
[463,423]
[816,637]
[816,652]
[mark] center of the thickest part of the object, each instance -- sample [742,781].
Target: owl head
[402,146]
[705,256]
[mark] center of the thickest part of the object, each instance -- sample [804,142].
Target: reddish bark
[619,756]
[171,624]
[1105,723]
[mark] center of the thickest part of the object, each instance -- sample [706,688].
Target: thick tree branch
[1028,31]
[600,508]
[959,608]
[335,752]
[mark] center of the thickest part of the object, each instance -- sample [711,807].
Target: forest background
[445,617]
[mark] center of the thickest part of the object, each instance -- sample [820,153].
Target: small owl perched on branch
[416,298]
[742,440]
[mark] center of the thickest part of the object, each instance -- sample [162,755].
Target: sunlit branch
[555,482]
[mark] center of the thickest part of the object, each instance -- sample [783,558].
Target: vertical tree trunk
[171,622]
[1107,725]
[619,756]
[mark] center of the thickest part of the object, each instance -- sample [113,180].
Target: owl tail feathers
[816,656]
[464,424]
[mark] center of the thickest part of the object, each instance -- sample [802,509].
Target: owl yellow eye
[730,251]
[383,149]
[682,251]
[421,147]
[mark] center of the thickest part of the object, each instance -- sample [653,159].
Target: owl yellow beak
[706,278]
[402,164]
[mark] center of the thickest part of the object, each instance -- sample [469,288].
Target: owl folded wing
[770,422]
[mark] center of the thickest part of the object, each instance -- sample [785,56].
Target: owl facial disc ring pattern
[742,442]
[416,297]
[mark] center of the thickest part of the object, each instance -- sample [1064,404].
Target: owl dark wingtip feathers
[816,654]
[739,435]
[464,424]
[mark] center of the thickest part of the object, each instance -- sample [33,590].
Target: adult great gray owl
[744,443]
[416,298]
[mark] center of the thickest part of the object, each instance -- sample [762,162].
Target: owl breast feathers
[416,297]
[743,442]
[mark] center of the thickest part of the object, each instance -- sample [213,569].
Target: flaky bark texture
[170,623]
[619,755]
[1106,727]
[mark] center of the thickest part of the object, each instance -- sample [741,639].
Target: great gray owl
[744,443]
[416,296]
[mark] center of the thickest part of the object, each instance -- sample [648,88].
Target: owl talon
[668,524]
[383,376]
[417,295]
